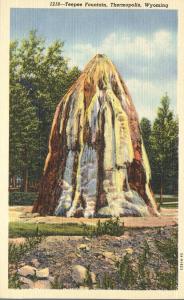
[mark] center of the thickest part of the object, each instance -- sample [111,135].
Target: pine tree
[164,143]
[39,77]
[146,135]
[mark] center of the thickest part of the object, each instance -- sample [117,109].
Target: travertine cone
[97,164]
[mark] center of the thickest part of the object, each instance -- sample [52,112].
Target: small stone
[109,255]
[13,272]
[27,271]
[43,273]
[35,262]
[93,277]
[51,279]
[83,247]
[116,244]
[34,215]
[42,284]
[82,287]
[129,250]
[79,274]
[27,282]
[23,216]
[97,254]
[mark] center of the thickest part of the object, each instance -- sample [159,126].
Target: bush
[107,283]
[126,273]
[21,198]
[15,252]
[111,227]
[13,282]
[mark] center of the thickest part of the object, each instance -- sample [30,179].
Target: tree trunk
[14,181]
[161,191]
[25,181]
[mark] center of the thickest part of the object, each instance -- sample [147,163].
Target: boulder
[42,284]
[109,255]
[27,283]
[27,271]
[79,274]
[83,247]
[42,273]
[35,262]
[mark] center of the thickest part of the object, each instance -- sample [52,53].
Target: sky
[141,43]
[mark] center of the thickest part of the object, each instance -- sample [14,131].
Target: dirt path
[168,217]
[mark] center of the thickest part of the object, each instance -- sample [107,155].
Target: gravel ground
[100,255]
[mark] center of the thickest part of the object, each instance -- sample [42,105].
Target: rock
[51,279]
[34,215]
[116,244]
[129,250]
[97,254]
[109,255]
[42,284]
[27,271]
[13,272]
[28,283]
[78,255]
[43,273]
[79,274]
[83,247]
[35,262]
[93,277]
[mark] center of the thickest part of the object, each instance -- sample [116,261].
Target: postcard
[92,149]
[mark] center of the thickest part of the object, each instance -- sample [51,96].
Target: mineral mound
[96,165]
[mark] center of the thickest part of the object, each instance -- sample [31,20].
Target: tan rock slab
[27,271]
[79,274]
[83,247]
[43,273]
[27,282]
[35,262]
[42,284]
[109,255]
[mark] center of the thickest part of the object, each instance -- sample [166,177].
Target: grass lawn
[17,229]
[169,201]
[111,227]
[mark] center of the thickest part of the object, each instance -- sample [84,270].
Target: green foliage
[57,284]
[164,143]
[111,227]
[17,229]
[15,252]
[39,77]
[88,280]
[14,282]
[169,249]
[126,272]
[161,143]
[21,198]
[143,274]
[167,280]
[107,283]
[146,135]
